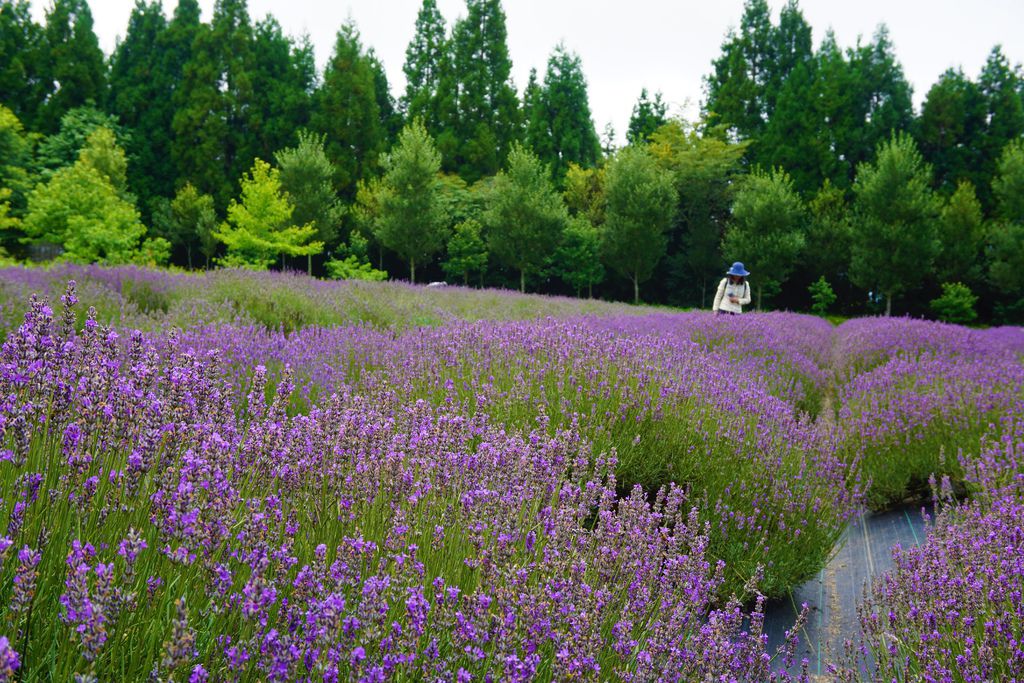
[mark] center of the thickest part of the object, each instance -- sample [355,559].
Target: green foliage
[559,127]
[7,221]
[961,230]
[425,59]
[22,59]
[829,233]
[347,112]
[1008,185]
[584,193]
[578,257]
[1006,270]
[641,206]
[260,228]
[15,159]
[307,177]
[948,129]
[351,268]
[647,117]
[822,296]
[1001,88]
[73,70]
[767,230]
[525,216]
[102,153]
[956,305]
[188,222]
[62,148]
[467,251]
[894,238]
[410,218]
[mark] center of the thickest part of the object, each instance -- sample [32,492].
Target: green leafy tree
[956,305]
[73,72]
[829,233]
[307,176]
[1006,238]
[467,251]
[1000,86]
[648,116]
[578,257]
[704,168]
[22,60]
[347,112]
[63,147]
[15,159]
[894,239]
[641,205]
[354,264]
[188,223]
[822,296]
[410,214]
[7,221]
[1008,185]
[425,60]
[525,216]
[961,232]
[80,210]
[767,229]
[584,193]
[485,118]
[260,227]
[102,153]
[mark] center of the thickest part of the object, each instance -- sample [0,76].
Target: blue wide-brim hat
[737,270]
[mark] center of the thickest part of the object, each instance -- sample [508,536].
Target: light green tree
[767,230]
[259,228]
[307,175]
[525,217]
[82,211]
[410,217]
[641,205]
[961,230]
[1006,235]
[467,251]
[578,257]
[895,214]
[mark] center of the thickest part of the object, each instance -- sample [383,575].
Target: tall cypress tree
[648,116]
[486,116]
[423,69]
[347,111]
[1000,85]
[140,97]
[21,50]
[73,70]
[572,133]
[283,76]
[214,102]
[537,132]
[948,129]
[390,116]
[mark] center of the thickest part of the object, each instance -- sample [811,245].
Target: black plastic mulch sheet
[865,552]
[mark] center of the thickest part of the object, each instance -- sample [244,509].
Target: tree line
[220,143]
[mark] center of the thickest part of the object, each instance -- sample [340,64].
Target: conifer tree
[423,69]
[648,116]
[22,62]
[73,68]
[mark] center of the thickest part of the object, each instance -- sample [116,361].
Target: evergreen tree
[73,70]
[525,217]
[283,76]
[570,128]
[139,96]
[260,227]
[828,239]
[1000,86]
[188,223]
[423,69]
[839,116]
[767,230]
[307,176]
[537,132]
[22,82]
[894,239]
[410,215]
[641,207]
[948,129]
[578,257]
[212,106]
[486,118]
[62,148]
[647,117]
[347,112]
[390,116]
[961,233]
[467,251]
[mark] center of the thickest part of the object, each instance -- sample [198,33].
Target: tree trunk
[522,281]
[188,250]
[412,270]
[309,265]
[636,289]
[590,290]
[888,305]
[759,298]
[465,278]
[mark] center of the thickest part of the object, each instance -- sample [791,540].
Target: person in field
[733,291]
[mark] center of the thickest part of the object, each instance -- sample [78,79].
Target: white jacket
[727,289]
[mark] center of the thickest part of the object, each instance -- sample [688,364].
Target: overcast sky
[663,45]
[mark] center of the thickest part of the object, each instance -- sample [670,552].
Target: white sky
[664,45]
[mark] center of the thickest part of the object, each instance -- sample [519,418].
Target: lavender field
[263,477]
